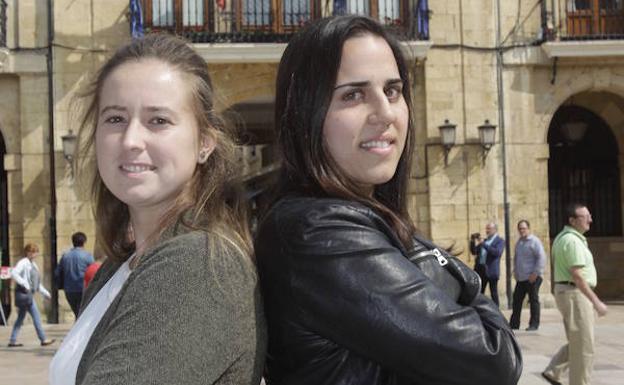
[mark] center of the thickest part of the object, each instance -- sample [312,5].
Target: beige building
[548,75]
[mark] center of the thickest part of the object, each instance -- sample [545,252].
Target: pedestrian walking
[27,277]
[71,269]
[575,279]
[529,262]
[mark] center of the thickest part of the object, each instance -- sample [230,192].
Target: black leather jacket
[345,306]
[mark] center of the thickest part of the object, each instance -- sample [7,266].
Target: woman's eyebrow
[353,84]
[366,83]
[112,107]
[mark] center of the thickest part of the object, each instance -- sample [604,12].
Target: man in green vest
[575,278]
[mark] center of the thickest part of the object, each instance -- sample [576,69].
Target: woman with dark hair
[177,300]
[344,302]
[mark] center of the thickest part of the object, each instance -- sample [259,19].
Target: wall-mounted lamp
[69,148]
[573,131]
[447,134]
[487,136]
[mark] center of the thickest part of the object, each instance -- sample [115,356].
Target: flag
[340,7]
[136,19]
[422,18]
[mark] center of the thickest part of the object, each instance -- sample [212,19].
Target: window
[162,13]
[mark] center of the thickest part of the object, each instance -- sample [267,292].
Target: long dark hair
[305,82]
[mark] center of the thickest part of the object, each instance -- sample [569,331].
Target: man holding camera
[487,254]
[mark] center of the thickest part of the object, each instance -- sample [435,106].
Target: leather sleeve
[354,286]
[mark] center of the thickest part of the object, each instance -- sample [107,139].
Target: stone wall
[457,81]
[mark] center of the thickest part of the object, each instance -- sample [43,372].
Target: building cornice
[585,48]
[272,52]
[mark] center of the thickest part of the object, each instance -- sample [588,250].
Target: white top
[21,274]
[64,365]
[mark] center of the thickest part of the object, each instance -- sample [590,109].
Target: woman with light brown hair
[177,299]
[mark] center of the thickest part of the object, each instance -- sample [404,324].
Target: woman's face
[147,139]
[366,125]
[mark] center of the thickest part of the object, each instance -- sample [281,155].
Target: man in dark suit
[487,254]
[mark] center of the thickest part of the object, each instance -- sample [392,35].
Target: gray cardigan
[190,313]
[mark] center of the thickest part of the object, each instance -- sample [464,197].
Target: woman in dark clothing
[344,303]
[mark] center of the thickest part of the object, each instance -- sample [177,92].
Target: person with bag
[177,300]
[352,294]
[27,282]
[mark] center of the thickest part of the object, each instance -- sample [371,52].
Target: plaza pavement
[28,365]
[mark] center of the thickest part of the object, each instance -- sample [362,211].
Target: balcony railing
[215,21]
[3,23]
[590,19]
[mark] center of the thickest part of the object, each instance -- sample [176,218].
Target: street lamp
[447,134]
[574,131]
[69,148]
[487,136]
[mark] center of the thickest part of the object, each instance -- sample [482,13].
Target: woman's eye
[159,121]
[393,93]
[114,119]
[353,95]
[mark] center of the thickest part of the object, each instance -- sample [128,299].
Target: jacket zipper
[436,253]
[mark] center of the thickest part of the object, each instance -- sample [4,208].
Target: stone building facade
[537,70]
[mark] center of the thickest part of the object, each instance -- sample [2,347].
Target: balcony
[589,20]
[274,21]
[585,28]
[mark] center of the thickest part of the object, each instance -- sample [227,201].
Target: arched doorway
[584,167]
[254,121]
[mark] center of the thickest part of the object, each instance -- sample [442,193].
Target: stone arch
[571,86]
[604,108]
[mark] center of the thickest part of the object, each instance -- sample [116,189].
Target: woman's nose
[134,136]
[382,113]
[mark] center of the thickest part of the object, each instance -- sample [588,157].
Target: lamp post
[447,135]
[487,137]
[69,148]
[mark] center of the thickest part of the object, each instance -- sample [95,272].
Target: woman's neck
[145,224]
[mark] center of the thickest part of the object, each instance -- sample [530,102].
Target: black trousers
[74,301]
[493,282]
[522,289]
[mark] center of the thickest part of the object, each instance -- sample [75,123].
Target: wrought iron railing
[3,23]
[588,19]
[212,21]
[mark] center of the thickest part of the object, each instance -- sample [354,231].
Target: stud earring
[203,156]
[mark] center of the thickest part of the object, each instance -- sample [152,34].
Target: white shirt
[21,275]
[64,365]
